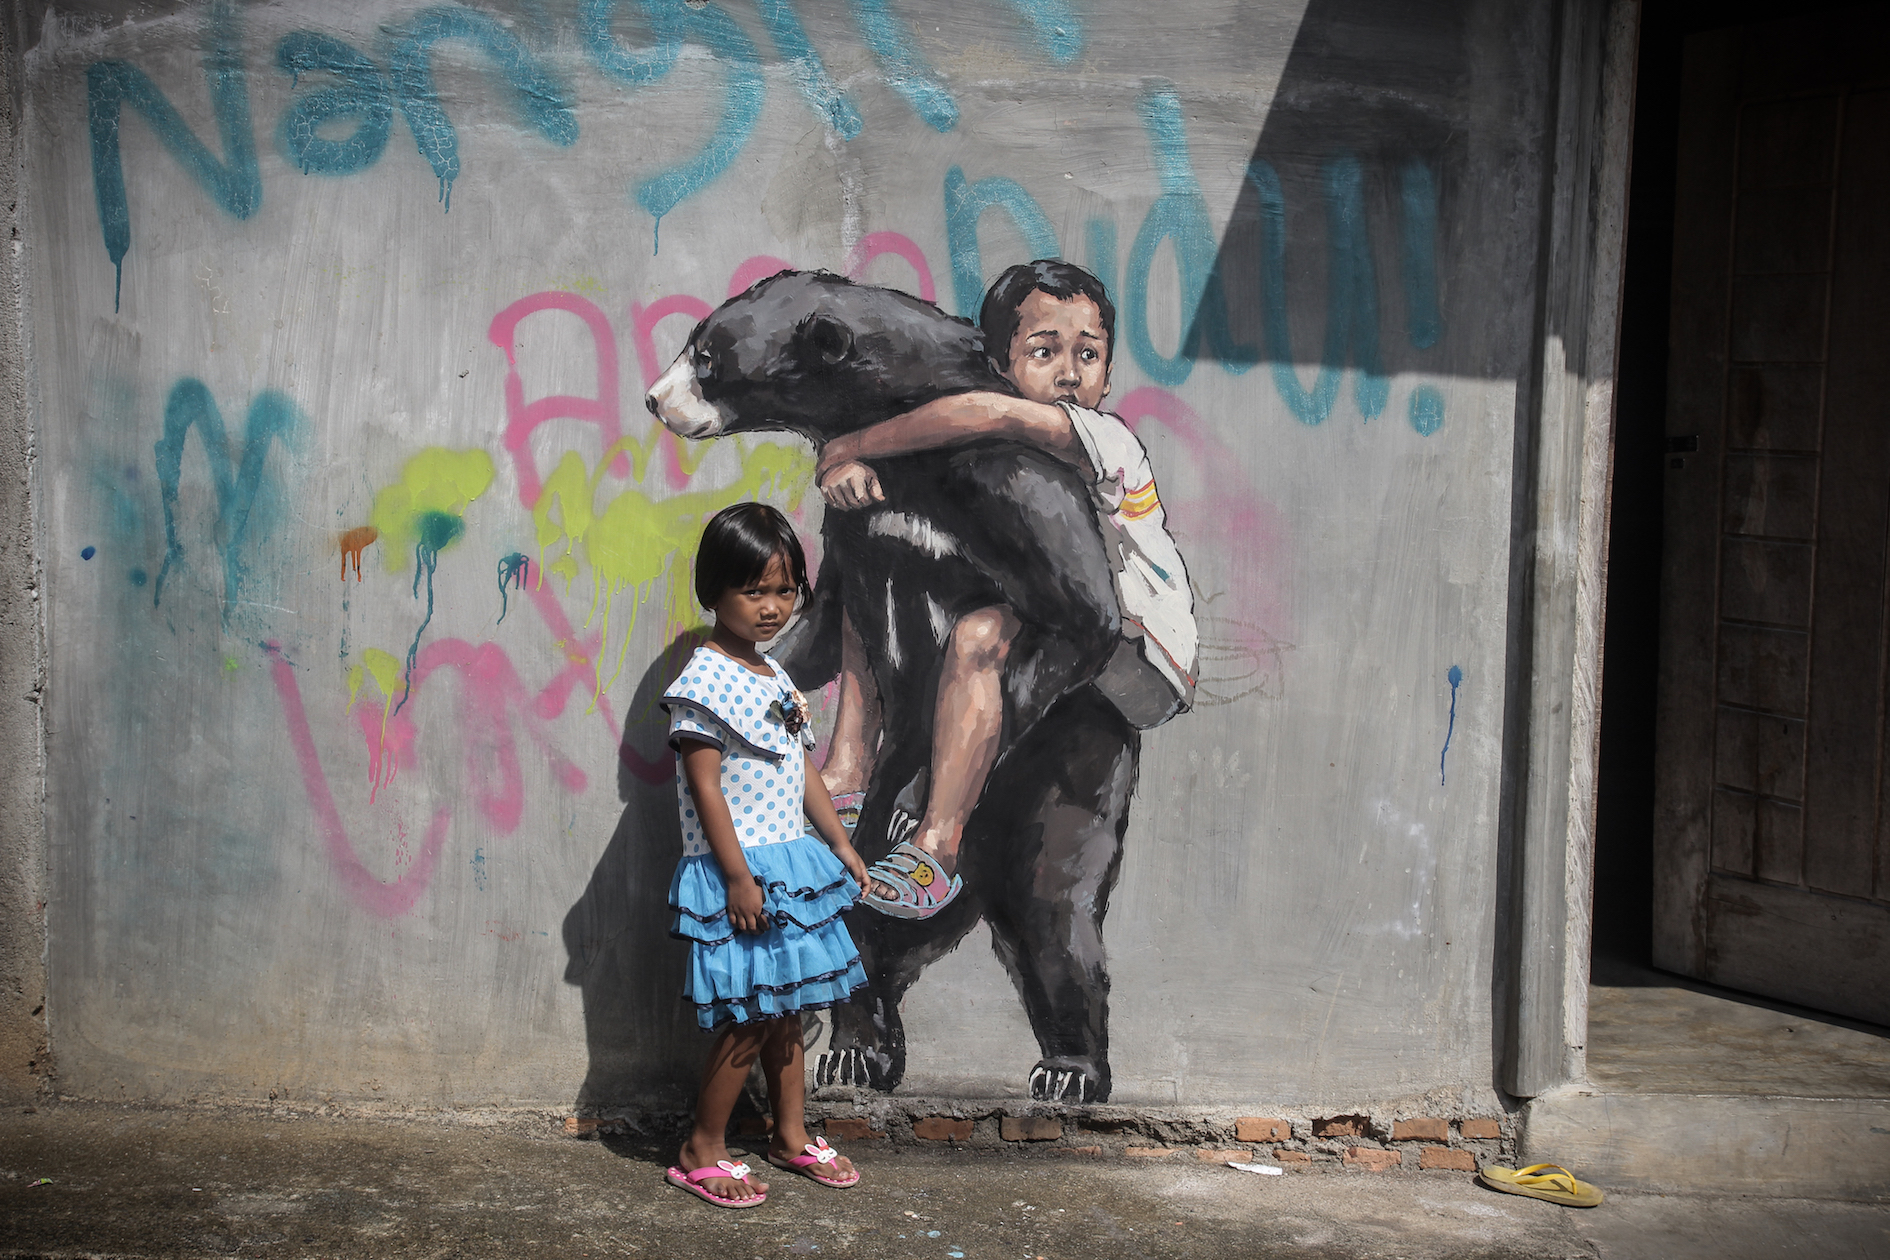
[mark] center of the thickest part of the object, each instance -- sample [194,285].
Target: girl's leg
[784,1063]
[735,1050]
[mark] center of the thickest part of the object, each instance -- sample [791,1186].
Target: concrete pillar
[25,1063]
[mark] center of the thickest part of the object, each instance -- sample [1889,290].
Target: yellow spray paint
[384,668]
[436,480]
[636,540]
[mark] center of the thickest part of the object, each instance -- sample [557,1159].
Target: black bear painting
[952,531]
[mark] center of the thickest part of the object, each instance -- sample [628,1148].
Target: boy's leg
[856,724]
[967,728]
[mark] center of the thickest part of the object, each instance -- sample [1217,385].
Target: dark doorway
[1624,869]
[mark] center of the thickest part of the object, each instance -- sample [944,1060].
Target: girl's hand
[747,907]
[849,484]
[850,858]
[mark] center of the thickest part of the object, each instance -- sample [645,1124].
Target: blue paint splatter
[362,92]
[435,530]
[1427,409]
[1059,30]
[235,183]
[1180,214]
[1455,678]
[480,880]
[672,24]
[271,417]
[87,553]
[906,71]
[1351,294]
[810,74]
[1422,322]
[512,569]
[965,203]
[138,577]
[537,96]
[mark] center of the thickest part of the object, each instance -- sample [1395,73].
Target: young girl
[758,900]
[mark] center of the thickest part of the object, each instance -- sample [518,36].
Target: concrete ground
[86,1179]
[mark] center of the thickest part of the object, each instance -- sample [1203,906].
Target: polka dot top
[721,702]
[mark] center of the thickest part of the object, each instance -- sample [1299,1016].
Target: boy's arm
[851,753]
[953,420]
[702,767]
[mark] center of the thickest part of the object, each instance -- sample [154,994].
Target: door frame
[1558,552]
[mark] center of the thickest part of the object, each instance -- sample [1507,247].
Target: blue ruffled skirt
[804,961]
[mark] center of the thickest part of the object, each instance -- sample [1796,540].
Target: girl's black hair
[1062,281]
[736,546]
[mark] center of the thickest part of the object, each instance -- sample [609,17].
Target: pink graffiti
[874,244]
[385,899]
[522,417]
[760,267]
[1227,512]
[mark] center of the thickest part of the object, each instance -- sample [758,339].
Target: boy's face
[1059,352]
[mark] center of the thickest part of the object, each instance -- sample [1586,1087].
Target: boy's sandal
[692,1182]
[922,888]
[818,1156]
[1542,1181]
[848,805]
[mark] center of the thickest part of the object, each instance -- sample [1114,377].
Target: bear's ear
[824,338]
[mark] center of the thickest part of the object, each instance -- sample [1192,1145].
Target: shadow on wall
[1387,225]
[643,1042]
[1337,262]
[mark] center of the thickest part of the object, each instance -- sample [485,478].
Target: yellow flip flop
[1542,1181]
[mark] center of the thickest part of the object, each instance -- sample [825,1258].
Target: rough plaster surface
[25,1063]
[1305,903]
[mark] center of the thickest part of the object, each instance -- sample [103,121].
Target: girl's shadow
[645,1050]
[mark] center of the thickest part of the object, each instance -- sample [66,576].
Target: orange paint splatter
[353,543]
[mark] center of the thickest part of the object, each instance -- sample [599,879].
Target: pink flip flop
[818,1156]
[692,1182]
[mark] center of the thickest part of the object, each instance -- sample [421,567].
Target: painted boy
[1050,329]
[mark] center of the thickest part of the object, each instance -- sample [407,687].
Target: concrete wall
[298,269]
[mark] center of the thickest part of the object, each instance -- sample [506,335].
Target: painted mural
[395,355]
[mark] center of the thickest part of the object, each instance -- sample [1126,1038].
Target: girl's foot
[694,1157]
[816,1161]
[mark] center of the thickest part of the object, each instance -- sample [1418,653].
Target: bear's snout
[676,399]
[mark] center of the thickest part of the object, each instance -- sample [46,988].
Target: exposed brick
[1239,1153]
[1372,1158]
[1257,1129]
[847,1130]
[1148,1152]
[1342,1126]
[1444,1157]
[1481,1130]
[942,1129]
[1030,1129]
[1423,1129]
[1293,1159]
[1078,1150]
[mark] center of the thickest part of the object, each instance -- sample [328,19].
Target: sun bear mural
[1002,606]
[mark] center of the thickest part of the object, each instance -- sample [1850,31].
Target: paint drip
[1455,678]
[434,531]
[636,541]
[384,668]
[513,569]
[353,543]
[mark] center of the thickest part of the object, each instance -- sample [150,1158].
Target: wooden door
[1770,870]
